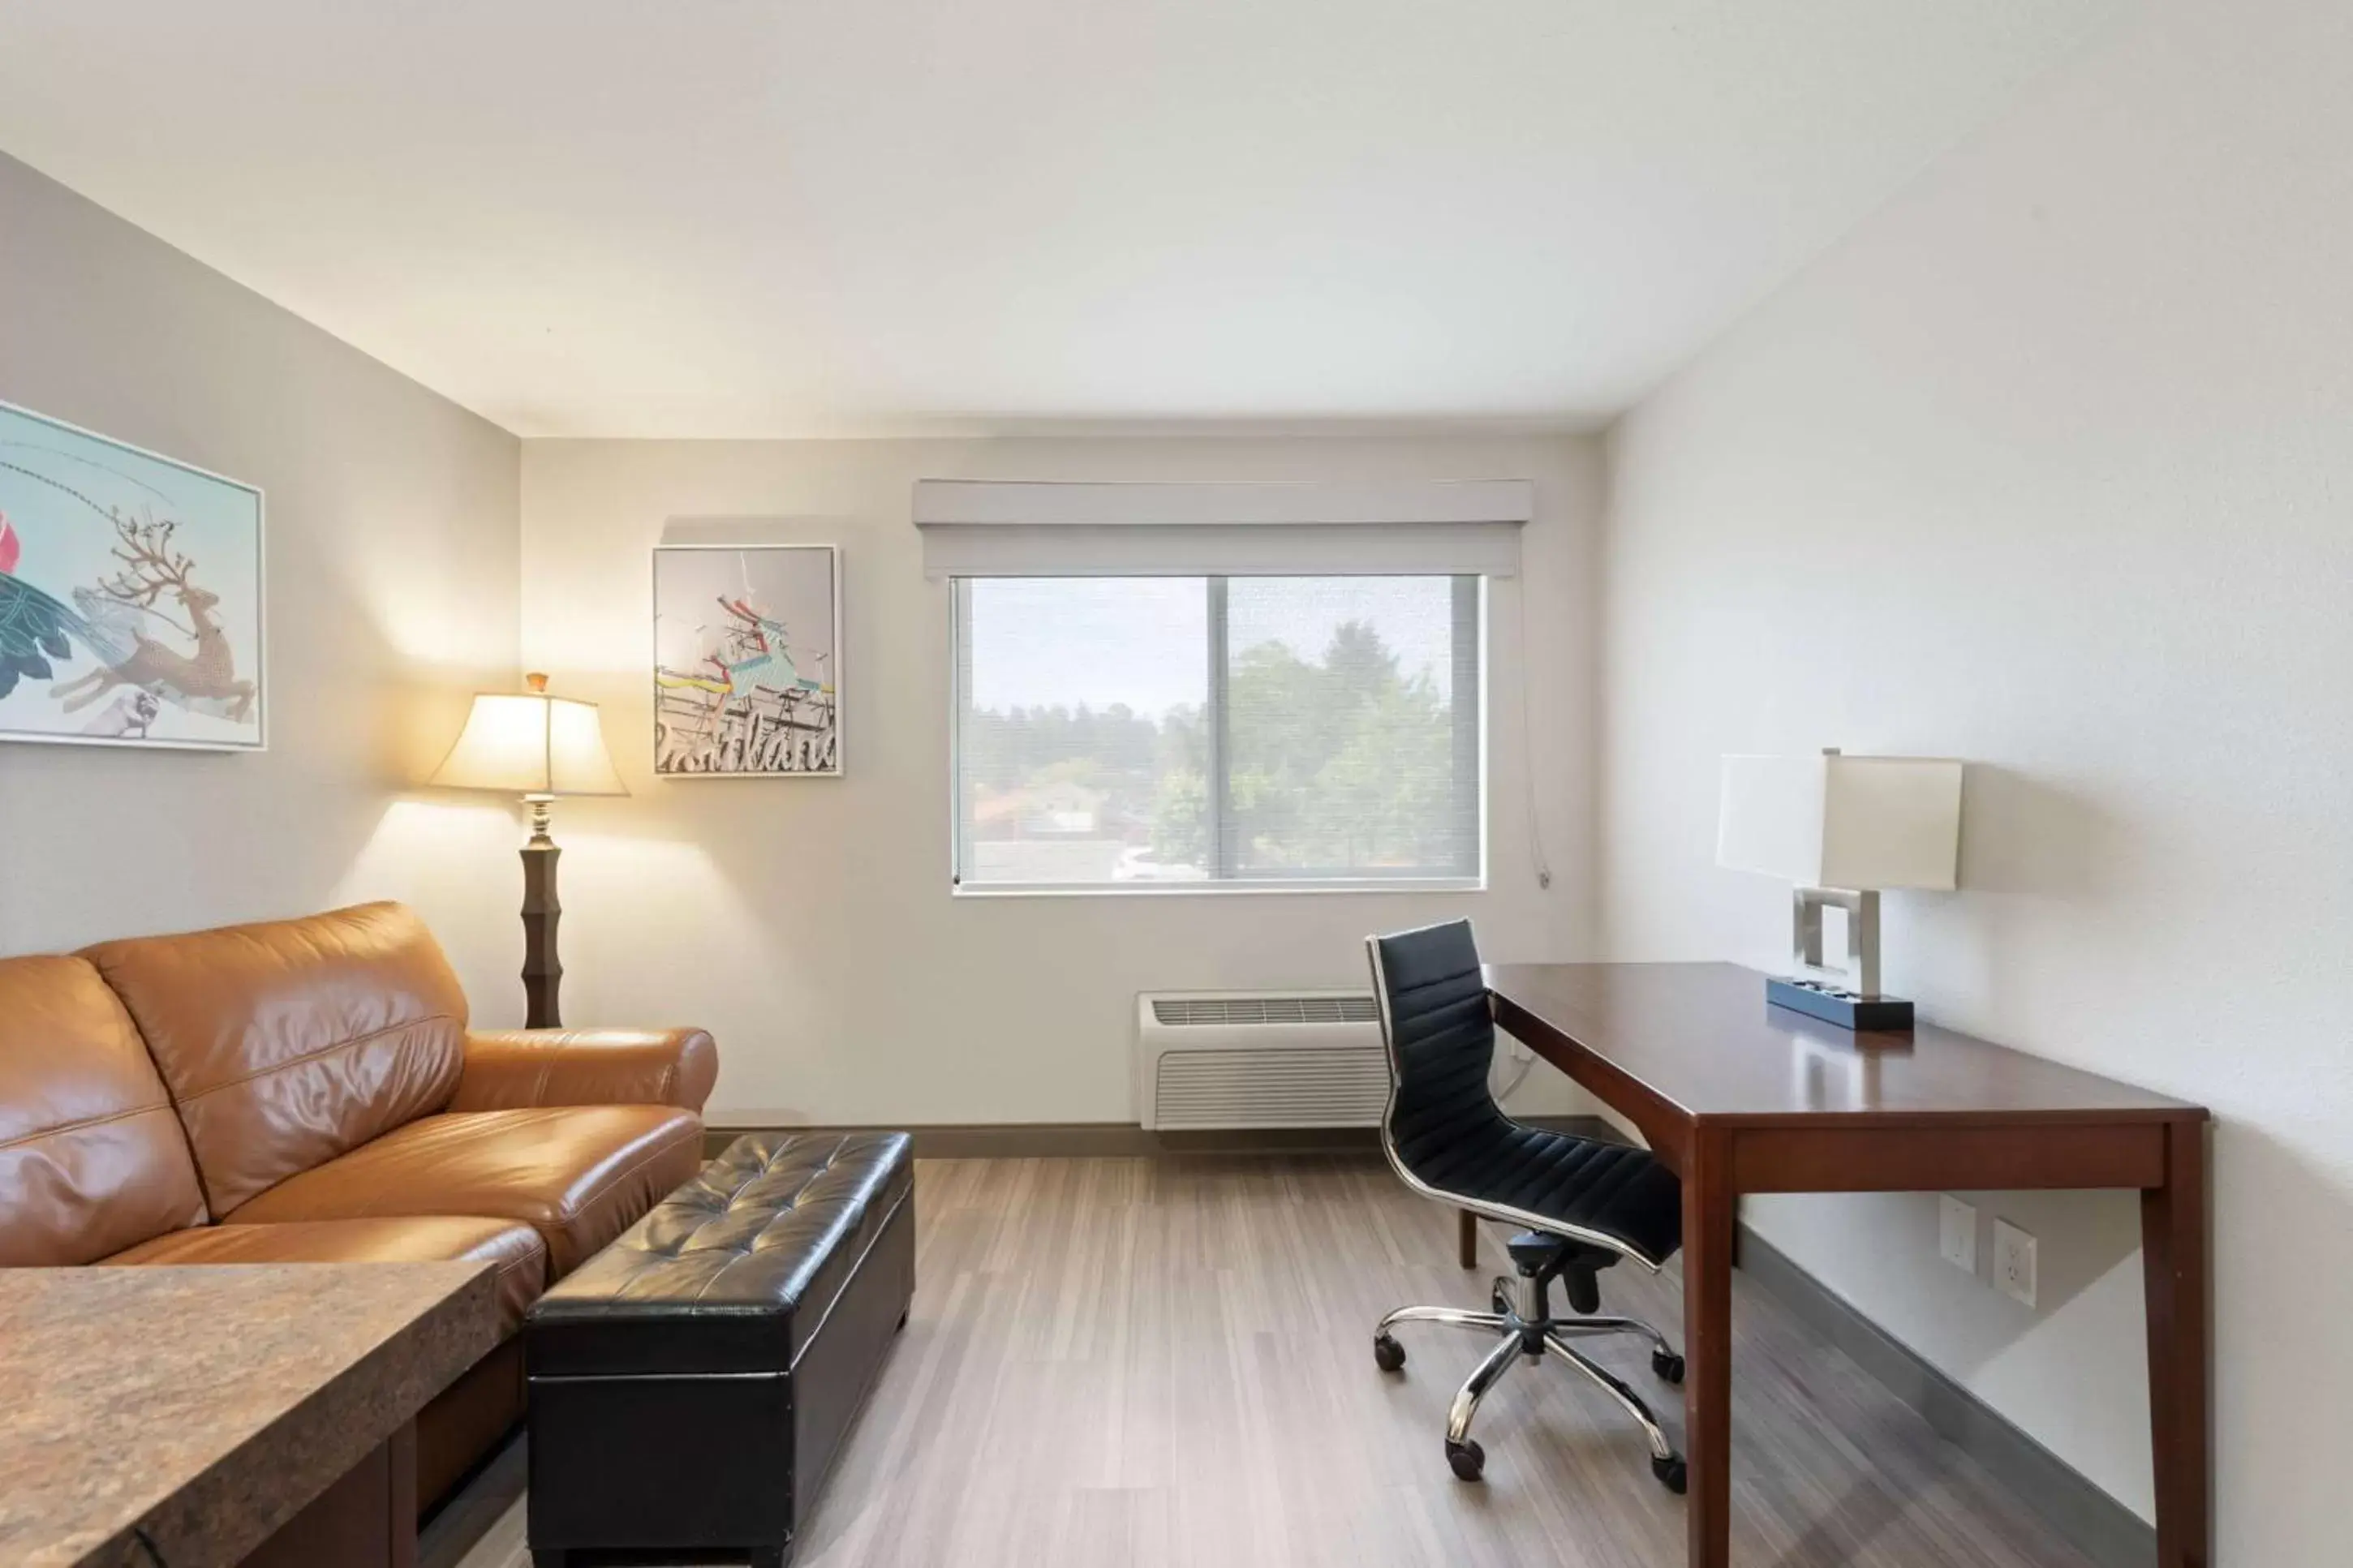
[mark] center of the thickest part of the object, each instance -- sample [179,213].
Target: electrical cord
[147,1545]
[1518,1078]
[1536,857]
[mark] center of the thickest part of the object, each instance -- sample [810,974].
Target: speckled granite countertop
[206,1406]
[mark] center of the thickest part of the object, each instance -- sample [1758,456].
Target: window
[1244,730]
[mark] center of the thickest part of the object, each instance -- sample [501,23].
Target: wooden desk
[1736,1097]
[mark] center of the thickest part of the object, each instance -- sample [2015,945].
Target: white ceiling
[768,217]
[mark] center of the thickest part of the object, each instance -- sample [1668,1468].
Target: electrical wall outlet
[1956,1233]
[2013,1261]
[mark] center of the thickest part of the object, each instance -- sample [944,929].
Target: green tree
[1339,765]
[1344,763]
[1180,820]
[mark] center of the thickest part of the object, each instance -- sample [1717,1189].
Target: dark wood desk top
[1699,1041]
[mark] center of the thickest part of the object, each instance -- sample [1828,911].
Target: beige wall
[809,922]
[392,566]
[2050,467]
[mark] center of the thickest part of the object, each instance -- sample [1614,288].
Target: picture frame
[747,661]
[133,595]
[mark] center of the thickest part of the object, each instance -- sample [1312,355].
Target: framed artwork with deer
[747,661]
[130,594]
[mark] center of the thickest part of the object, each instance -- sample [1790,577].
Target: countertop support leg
[1708,1347]
[2174,1268]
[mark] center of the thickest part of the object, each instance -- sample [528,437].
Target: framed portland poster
[747,661]
[130,594]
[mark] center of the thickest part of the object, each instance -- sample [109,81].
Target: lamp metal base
[543,972]
[1847,1009]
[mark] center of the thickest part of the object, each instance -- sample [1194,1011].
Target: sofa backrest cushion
[92,1159]
[287,1044]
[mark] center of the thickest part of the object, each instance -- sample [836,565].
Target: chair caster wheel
[1671,1474]
[1387,1354]
[1467,1458]
[1668,1365]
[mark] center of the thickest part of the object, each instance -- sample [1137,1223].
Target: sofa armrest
[508,1069]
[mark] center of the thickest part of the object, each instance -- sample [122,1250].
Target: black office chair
[1584,1203]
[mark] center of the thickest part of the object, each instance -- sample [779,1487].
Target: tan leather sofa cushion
[515,1248]
[287,1044]
[91,1158]
[580,1173]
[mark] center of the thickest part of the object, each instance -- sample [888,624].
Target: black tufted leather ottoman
[690,1383]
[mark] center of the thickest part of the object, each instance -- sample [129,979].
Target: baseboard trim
[2094,1523]
[1123,1140]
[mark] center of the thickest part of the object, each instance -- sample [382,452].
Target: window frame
[1468,730]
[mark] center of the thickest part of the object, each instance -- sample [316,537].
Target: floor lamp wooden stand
[539,747]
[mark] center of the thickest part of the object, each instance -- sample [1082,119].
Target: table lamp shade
[528,743]
[1836,821]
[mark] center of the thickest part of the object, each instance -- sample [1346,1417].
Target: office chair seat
[1577,1188]
[1584,1203]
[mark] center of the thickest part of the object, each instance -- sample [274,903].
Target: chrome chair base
[1533,1334]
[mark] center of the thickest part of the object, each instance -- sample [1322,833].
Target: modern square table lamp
[1841,828]
[539,747]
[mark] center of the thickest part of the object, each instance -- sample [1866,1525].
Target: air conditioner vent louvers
[1182,1011]
[1273,1058]
[1264,1089]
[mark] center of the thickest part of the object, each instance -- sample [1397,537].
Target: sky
[1064,641]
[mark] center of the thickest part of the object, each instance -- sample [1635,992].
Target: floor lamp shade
[539,747]
[527,742]
[1841,828]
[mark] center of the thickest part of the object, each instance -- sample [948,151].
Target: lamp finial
[536,681]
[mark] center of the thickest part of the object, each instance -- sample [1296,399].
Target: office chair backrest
[1442,1041]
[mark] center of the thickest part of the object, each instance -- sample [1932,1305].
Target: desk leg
[1466,1237]
[2174,1270]
[1707,1348]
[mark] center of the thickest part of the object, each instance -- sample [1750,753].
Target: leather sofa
[308,1090]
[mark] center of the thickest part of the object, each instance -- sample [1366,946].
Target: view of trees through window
[1186,729]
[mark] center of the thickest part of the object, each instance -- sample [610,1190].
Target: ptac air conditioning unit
[1206,1059]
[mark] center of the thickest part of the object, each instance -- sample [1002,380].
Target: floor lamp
[539,747]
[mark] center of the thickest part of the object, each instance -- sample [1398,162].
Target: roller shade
[979,528]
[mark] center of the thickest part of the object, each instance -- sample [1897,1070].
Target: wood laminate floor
[1167,1364]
